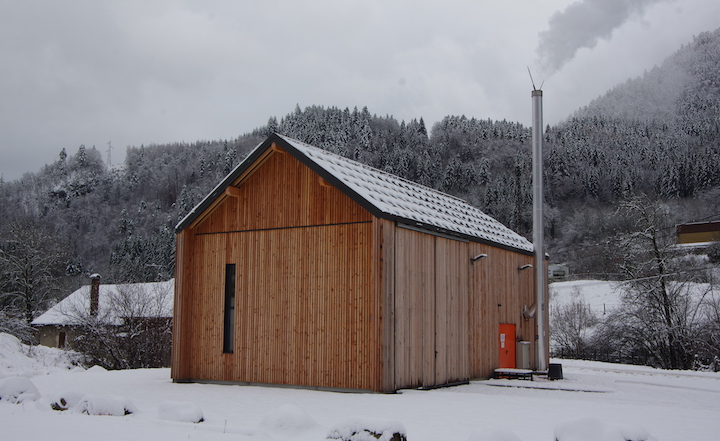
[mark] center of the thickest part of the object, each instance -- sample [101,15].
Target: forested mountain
[658,135]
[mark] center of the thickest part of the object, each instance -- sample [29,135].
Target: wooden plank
[453,265]
[181,323]
[386,269]
[451,311]
[441,313]
[414,317]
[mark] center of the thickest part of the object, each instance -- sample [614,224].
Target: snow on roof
[407,200]
[115,302]
[384,195]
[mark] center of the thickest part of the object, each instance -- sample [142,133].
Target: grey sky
[143,72]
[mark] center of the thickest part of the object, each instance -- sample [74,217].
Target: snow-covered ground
[595,401]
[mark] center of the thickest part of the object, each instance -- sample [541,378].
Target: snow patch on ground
[494,434]
[592,429]
[18,359]
[601,296]
[287,417]
[367,429]
[180,411]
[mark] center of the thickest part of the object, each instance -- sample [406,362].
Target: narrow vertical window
[229,321]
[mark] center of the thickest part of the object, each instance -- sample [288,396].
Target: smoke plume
[582,25]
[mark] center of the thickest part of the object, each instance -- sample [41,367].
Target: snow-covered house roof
[138,300]
[384,195]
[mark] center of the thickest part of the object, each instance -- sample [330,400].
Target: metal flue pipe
[538,236]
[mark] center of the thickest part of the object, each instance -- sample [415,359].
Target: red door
[507,345]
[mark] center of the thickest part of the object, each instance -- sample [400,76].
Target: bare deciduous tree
[131,329]
[660,317]
[571,328]
[31,264]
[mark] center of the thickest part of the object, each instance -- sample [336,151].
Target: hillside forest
[647,151]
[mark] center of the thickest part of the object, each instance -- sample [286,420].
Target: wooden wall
[447,309]
[307,308]
[498,292]
[431,310]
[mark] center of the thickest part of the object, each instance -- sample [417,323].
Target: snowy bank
[18,359]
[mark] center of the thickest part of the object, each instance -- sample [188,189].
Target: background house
[123,325]
[305,268]
[698,232]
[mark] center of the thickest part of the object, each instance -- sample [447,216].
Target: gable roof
[383,194]
[115,302]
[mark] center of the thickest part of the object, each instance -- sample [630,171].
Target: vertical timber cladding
[431,310]
[180,346]
[499,291]
[305,313]
[307,310]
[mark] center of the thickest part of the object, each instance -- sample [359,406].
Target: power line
[660,276]
[610,241]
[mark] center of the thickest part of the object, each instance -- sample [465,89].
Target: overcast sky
[142,72]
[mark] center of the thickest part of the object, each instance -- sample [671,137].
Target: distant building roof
[698,227]
[115,303]
[384,195]
[698,232]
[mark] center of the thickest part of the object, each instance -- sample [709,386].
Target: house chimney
[94,294]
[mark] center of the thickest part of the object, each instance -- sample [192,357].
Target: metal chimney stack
[538,236]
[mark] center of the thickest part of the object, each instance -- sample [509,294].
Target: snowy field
[595,401]
[601,296]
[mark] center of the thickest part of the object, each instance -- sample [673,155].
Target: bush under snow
[18,390]
[66,400]
[105,405]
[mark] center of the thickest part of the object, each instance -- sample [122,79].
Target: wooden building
[306,268]
[698,232]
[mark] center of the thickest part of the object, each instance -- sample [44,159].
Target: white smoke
[582,25]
